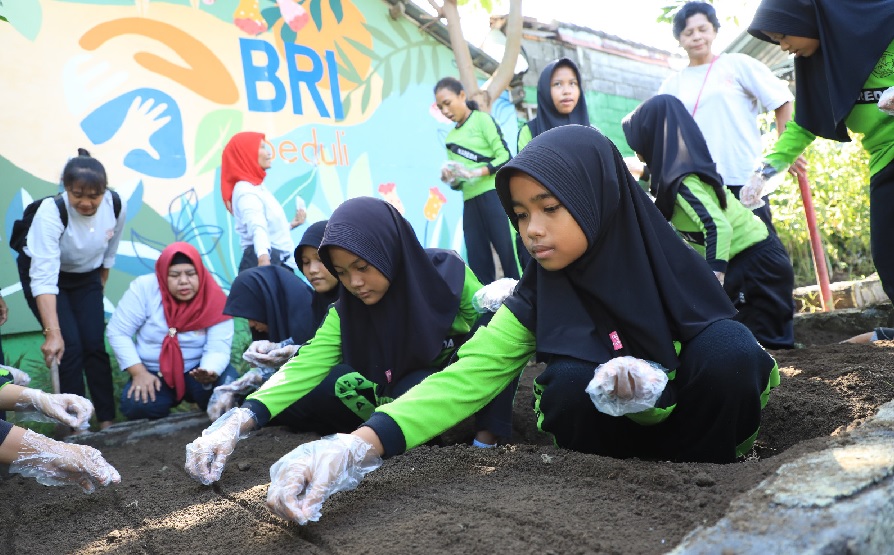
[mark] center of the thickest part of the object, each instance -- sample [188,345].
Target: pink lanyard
[699,97]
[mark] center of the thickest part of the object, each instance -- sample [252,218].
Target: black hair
[453,84]
[87,170]
[690,9]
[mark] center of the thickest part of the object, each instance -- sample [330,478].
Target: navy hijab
[853,34]
[637,288]
[274,296]
[406,329]
[312,237]
[547,114]
[663,132]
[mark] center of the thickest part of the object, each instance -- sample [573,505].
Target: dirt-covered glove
[18,377]
[309,474]
[224,397]
[207,455]
[626,385]
[55,463]
[886,102]
[491,296]
[764,181]
[66,408]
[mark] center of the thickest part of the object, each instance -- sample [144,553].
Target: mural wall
[155,88]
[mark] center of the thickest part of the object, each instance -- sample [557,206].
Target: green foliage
[838,174]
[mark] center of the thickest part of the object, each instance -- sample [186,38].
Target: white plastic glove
[18,377]
[267,354]
[491,296]
[309,474]
[207,455]
[55,463]
[764,181]
[721,276]
[626,385]
[67,408]
[224,397]
[886,102]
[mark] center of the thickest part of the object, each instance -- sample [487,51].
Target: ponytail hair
[455,86]
[86,169]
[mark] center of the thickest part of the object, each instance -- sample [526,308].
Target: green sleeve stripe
[651,416]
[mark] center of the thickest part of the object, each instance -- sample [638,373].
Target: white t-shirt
[138,327]
[738,88]
[87,243]
[260,220]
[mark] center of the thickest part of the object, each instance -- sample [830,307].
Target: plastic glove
[224,397]
[625,385]
[886,102]
[18,377]
[275,357]
[55,463]
[309,474]
[67,408]
[491,296]
[764,181]
[207,454]
[720,276]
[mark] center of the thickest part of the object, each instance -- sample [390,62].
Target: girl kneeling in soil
[277,303]
[170,334]
[50,462]
[749,261]
[612,278]
[401,313]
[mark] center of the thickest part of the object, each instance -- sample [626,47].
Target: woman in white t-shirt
[261,222]
[725,93]
[63,268]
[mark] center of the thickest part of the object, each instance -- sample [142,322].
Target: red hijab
[203,311]
[240,163]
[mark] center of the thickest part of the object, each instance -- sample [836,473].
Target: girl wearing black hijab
[402,311]
[560,101]
[315,272]
[611,278]
[749,261]
[844,62]
[275,302]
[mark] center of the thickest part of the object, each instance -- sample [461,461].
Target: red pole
[816,244]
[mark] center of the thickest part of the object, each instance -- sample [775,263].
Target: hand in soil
[309,474]
[55,463]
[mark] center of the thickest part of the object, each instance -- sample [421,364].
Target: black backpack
[19,236]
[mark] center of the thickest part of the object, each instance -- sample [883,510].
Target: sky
[605,15]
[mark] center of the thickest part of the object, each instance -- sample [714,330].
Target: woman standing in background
[261,222]
[476,150]
[63,269]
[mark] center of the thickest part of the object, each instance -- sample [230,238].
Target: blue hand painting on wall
[142,113]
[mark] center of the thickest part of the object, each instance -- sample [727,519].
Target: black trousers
[79,307]
[485,223]
[718,386]
[881,226]
[760,281]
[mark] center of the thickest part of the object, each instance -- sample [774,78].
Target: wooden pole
[816,244]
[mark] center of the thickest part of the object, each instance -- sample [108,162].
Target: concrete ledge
[845,294]
[123,433]
[839,500]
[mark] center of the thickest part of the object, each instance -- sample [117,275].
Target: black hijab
[853,34]
[547,114]
[406,329]
[312,237]
[274,296]
[663,132]
[636,279]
